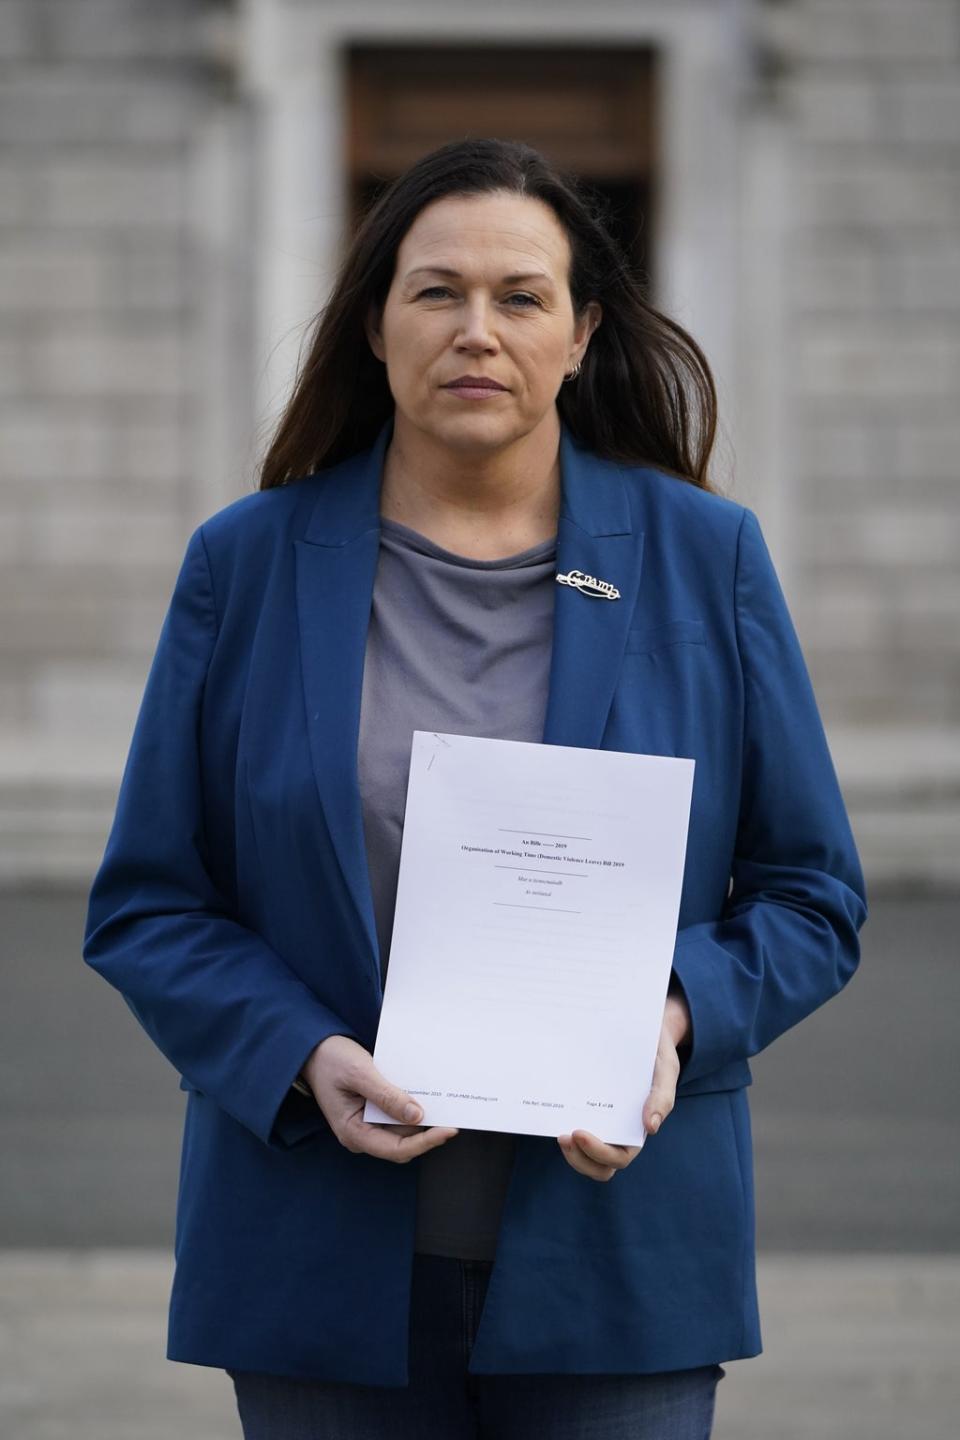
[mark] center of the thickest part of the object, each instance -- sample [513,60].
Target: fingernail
[655,1122]
[412,1112]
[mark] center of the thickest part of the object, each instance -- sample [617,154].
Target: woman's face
[481,321]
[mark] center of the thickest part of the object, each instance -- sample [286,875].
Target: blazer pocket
[670,632]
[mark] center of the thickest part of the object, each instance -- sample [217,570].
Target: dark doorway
[591,111]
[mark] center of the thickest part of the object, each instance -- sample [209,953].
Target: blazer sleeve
[221,1005]
[787,939]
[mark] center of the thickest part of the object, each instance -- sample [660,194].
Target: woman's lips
[474,392]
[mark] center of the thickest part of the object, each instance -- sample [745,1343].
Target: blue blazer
[232,909]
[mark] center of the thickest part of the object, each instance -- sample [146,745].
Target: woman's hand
[601,1161]
[343,1077]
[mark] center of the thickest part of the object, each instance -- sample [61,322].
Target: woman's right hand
[343,1077]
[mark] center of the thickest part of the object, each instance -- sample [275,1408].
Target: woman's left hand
[600,1161]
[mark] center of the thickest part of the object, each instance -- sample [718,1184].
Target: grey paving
[859,1347]
[83,1335]
[854,1116]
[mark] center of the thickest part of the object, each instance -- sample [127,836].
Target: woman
[397,570]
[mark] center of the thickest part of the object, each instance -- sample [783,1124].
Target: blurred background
[176,182]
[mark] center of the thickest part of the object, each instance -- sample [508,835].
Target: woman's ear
[592,316]
[371,326]
[588,320]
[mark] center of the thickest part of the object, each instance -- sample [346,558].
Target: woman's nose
[476,323]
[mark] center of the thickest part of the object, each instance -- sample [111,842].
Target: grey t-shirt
[464,647]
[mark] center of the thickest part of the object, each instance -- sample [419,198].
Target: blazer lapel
[336,564]
[594,536]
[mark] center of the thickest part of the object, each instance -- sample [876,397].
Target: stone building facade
[172,198]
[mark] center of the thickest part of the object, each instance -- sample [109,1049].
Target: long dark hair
[645,394]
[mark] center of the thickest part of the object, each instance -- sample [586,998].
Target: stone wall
[128,286]
[873,87]
[102,379]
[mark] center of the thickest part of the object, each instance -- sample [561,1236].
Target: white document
[536,917]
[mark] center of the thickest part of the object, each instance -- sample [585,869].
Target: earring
[573,373]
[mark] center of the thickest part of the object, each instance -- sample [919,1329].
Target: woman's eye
[443,290]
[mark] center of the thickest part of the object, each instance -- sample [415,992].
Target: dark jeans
[444,1402]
